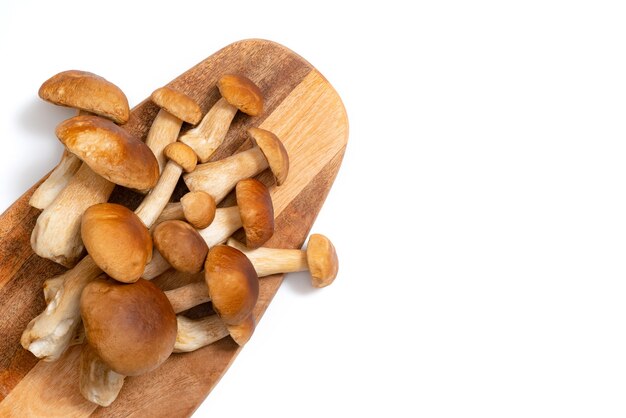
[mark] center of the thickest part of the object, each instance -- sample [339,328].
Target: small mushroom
[229,277]
[131,329]
[232,282]
[89,94]
[219,177]
[176,108]
[181,157]
[254,211]
[319,258]
[238,93]
[181,245]
[197,208]
[117,240]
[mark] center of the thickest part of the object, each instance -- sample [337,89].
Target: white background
[479,215]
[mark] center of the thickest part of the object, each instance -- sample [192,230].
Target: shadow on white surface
[39,119]
[299,283]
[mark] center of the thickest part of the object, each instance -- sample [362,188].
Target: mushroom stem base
[98,383]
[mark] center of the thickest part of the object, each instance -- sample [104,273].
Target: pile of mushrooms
[105,301]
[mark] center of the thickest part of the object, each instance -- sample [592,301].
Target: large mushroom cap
[242,332]
[256,211]
[110,151]
[233,283]
[242,93]
[181,245]
[178,104]
[117,240]
[198,208]
[132,327]
[322,260]
[274,151]
[86,91]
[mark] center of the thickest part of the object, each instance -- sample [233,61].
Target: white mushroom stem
[50,333]
[152,205]
[170,212]
[268,261]
[56,235]
[98,383]
[188,296]
[164,130]
[226,222]
[211,131]
[56,181]
[219,177]
[194,334]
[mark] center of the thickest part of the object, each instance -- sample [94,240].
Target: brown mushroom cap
[86,91]
[256,211]
[117,240]
[181,245]
[274,151]
[322,259]
[242,93]
[178,104]
[233,283]
[132,327]
[242,332]
[110,151]
[182,154]
[199,208]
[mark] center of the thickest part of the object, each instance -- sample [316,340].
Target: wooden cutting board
[304,110]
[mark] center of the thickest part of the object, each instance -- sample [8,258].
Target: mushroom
[232,285]
[219,177]
[238,93]
[117,240]
[112,156]
[88,93]
[254,211]
[197,208]
[181,157]
[319,258]
[181,245]
[176,108]
[130,329]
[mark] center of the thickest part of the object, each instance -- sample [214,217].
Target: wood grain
[304,110]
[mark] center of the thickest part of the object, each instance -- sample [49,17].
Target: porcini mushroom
[89,94]
[197,208]
[130,328]
[181,157]
[181,245]
[117,240]
[319,258]
[232,285]
[111,156]
[238,93]
[219,177]
[176,108]
[254,211]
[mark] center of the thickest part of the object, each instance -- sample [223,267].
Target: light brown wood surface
[304,111]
